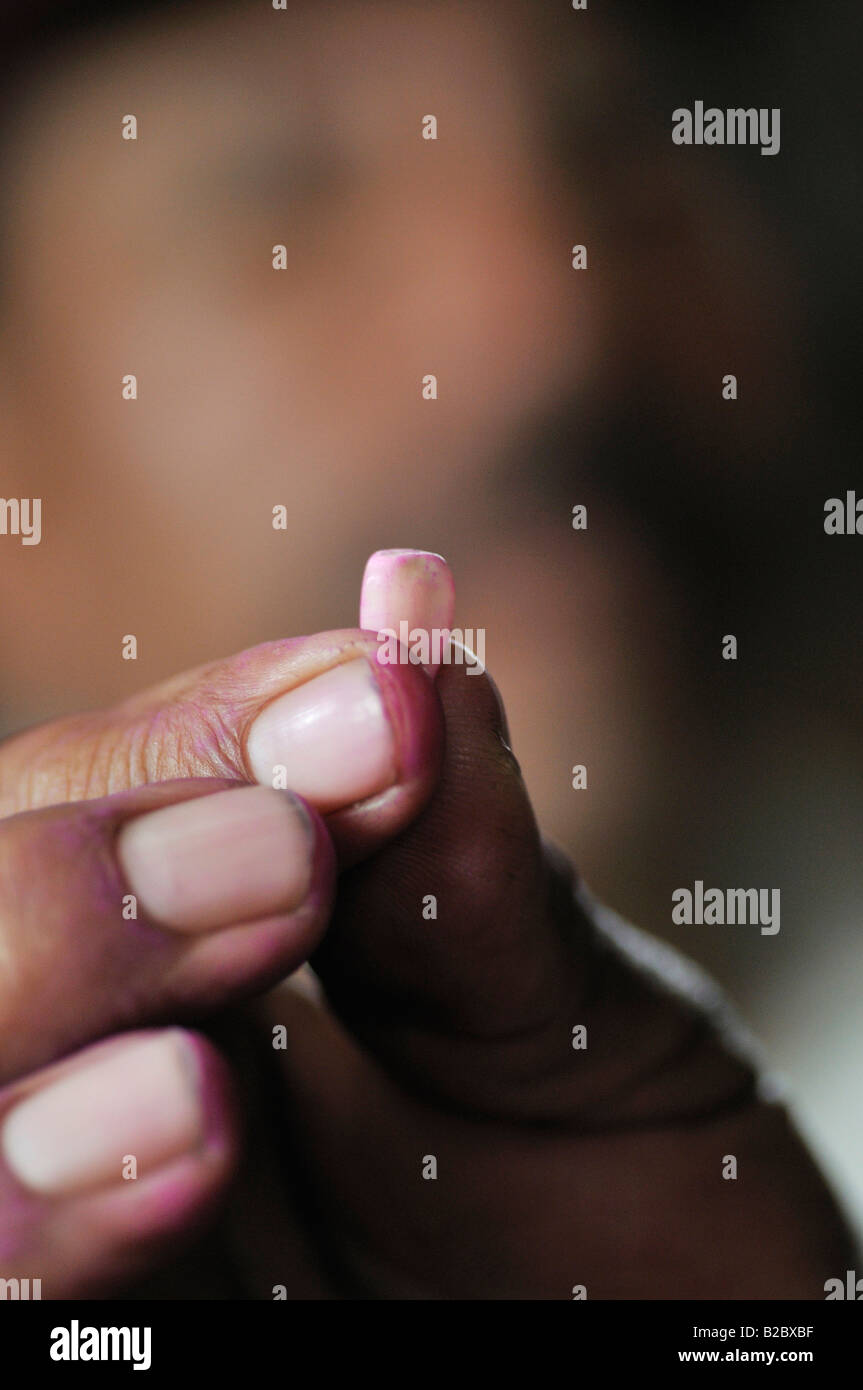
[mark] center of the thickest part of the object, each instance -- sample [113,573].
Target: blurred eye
[281,178]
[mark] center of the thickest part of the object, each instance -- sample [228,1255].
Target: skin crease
[458,1043]
[254,391]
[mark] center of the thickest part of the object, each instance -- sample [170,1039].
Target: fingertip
[407,592]
[121,1231]
[417,723]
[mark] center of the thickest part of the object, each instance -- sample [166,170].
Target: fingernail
[231,857]
[138,1102]
[331,735]
[413,587]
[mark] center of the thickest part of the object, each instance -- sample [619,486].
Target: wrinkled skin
[447,1037]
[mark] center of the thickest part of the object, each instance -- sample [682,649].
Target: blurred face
[260,387]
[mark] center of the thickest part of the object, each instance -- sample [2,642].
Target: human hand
[447,1037]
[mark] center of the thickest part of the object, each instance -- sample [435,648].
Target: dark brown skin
[556,1167]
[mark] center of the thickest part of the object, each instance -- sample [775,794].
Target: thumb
[315,715]
[465,955]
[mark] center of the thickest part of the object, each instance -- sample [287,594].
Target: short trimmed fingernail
[139,1101]
[231,857]
[410,587]
[330,736]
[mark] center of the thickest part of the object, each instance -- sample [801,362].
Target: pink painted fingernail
[231,857]
[409,593]
[330,739]
[139,1100]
